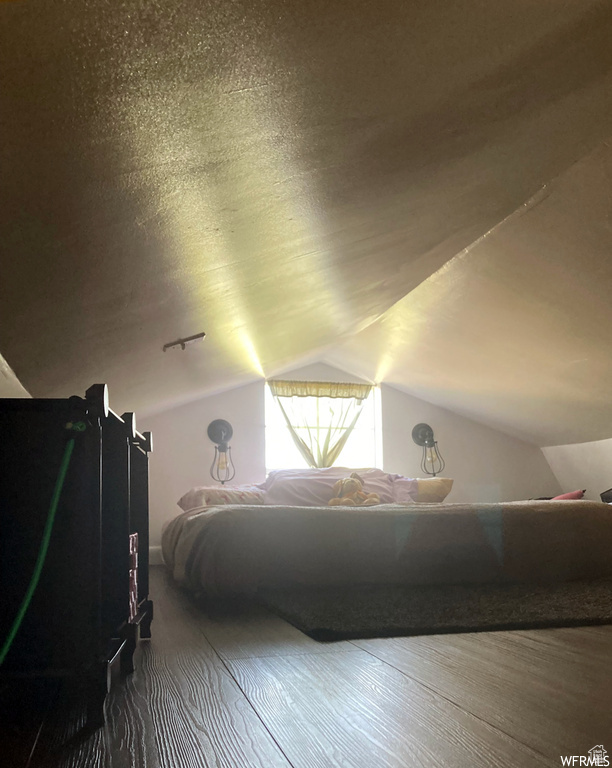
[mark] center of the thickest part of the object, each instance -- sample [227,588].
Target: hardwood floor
[251,690]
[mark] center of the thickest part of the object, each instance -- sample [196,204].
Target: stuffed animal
[349,492]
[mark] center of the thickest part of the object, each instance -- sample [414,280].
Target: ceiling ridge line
[538,197]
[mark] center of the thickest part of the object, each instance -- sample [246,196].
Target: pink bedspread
[236,549]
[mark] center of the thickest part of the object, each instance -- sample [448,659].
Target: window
[363,448]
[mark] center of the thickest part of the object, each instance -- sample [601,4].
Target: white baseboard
[155,556]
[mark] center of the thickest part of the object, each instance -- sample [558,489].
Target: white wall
[10,386]
[182,453]
[486,465]
[582,465]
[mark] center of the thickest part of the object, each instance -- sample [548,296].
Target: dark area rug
[341,613]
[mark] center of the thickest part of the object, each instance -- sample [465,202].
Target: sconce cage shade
[222,469]
[432,462]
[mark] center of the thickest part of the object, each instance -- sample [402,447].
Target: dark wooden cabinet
[79,618]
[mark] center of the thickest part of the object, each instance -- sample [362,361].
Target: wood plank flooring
[230,690]
[541,693]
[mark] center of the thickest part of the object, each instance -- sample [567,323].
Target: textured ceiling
[282,176]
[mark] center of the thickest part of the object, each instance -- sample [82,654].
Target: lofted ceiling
[418,192]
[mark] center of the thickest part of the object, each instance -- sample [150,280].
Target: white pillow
[213,496]
[306,472]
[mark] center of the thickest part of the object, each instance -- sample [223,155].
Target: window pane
[281,452]
[359,451]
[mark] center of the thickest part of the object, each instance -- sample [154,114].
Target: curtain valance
[281,388]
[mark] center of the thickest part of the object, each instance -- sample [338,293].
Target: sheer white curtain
[320,416]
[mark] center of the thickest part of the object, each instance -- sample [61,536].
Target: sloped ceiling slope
[277,174]
[516,331]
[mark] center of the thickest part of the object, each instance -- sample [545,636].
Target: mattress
[237,549]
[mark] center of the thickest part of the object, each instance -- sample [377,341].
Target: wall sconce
[432,462]
[222,469]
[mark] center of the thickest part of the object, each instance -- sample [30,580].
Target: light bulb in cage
[222,469]
[432,462]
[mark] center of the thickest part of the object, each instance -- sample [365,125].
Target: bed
[238,548]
